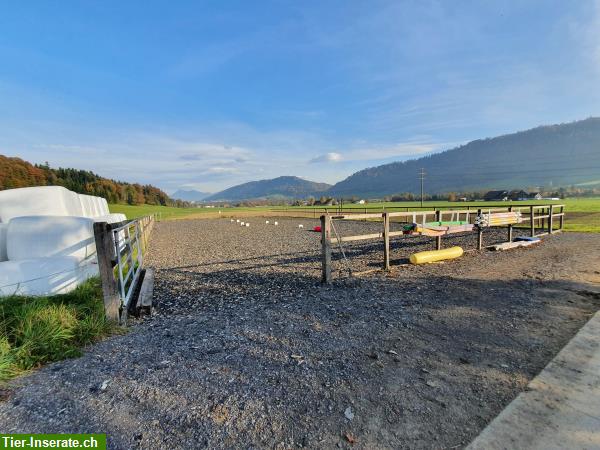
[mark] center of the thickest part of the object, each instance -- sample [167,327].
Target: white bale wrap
[50,236]
[87,204]
[84,206]
[39,201]
[73,204]
[96,206]
[44,276]
[93,206]
[103,206]
[99,206]
[3,229]
[111,218]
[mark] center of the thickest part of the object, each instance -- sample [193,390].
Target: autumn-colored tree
[16,173]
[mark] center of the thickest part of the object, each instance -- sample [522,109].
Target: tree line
[17,173]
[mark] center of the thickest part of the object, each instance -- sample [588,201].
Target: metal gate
[120,249]
[129,253]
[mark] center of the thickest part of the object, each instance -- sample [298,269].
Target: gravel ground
[248,350]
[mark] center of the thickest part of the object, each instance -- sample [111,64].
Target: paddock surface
[249,350]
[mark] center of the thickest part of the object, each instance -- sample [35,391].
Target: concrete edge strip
[560,407]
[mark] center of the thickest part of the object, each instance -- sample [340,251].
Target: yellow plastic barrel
[436,255]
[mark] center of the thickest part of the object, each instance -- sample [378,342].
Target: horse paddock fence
[537,220]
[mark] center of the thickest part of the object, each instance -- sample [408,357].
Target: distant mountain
[556,155]
[190,196]
[283,187]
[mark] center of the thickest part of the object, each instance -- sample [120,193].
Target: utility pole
[422,178]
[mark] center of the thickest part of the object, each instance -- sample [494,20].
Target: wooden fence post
[542,223]
[510,227]
[438,239]
[479,233]
[386,241]
[105,251]
[561,220]
[550,219]
[532,221]
[326,249]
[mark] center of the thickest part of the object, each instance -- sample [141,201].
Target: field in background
[583,214]
[168,212]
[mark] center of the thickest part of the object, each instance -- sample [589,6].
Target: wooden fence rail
[337,210]
[532,216]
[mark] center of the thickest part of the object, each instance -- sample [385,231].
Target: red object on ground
[317,229]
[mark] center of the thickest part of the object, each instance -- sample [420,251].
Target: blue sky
[207,94]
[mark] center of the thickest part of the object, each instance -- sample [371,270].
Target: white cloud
[331,157]
[399,151]
[221,170]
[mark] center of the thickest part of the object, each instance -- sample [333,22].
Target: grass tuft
[38,330]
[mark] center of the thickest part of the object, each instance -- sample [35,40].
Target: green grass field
[167,212]
[583,214]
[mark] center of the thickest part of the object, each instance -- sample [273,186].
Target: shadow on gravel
[421,362]
[370,253]
[263,356]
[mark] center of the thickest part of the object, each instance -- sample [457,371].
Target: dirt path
[250,351]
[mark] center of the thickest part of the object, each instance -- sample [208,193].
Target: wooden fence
[336,210]
[539,220]
[120,249]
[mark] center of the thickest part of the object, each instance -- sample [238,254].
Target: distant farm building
[503,196]
[496,196]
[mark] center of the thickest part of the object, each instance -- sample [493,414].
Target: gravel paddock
[248,350]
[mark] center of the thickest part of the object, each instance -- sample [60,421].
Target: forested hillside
[16,173]
[540,158]
[280,187]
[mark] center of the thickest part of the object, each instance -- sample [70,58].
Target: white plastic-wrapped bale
[97,206]
[44,276]
[111,218]
[84,205]
[50,236]
[94,206]
[103,206]
[39,201]
[3,229]
[73,204]
[87,203]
